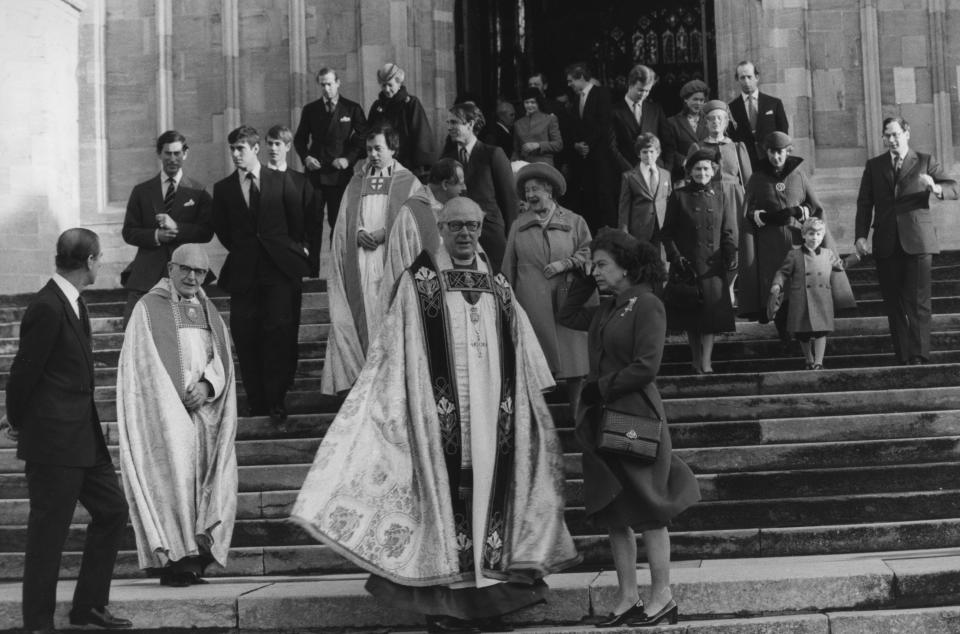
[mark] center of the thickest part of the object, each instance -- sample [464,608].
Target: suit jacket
[191,211]
[682,136]
[626,130]
[641,210]
[593,126]
[50,389]
[496,134]
[899,209]
[262,247]
[771,117]
[312,217]
[326,137]
[490,183]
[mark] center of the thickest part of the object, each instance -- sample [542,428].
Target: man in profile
[164,212]
[177,420]
[442,473]
[52,413]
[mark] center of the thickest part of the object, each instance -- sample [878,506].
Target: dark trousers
[329,195]
[592,191]
[54,491]
[905,287]
[493,239]
[265,323]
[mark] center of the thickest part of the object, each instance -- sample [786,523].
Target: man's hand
[164,221]
[861,246]
[582,148]
[311,163]
[554,268]
[196,395]
[340,163]
[366,240]
[931,186]
[530,146]
[7,429]
[166,235]
[756,218]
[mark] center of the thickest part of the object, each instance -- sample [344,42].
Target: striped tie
[168,198]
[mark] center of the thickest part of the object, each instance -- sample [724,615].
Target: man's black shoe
[278,415]
[98,618]
[442,624]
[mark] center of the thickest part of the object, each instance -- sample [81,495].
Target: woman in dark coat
[625,338]
[689,125]
[700,233]
[779,198]
[404,113]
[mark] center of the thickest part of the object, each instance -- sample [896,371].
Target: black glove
[590,395]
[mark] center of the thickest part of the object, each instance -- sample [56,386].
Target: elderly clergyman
[177,415]
[442,473]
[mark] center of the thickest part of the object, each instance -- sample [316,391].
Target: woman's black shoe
[634,614]
[670,612]
[443,624]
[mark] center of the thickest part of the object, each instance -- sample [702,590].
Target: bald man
[177,419]
[457,371]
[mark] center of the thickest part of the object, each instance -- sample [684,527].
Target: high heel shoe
[670,612]
[630,616]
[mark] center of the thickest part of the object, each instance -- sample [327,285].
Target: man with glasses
[164,212]
[466,488]
[894,201]
[177,420]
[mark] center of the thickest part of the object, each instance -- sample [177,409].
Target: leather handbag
[630,435]
[682,290]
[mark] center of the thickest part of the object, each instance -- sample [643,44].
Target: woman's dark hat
[777,141]
[703,154]
[692,87]
[544,172]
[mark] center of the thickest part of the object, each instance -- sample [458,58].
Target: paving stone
[939,620]
[930,580]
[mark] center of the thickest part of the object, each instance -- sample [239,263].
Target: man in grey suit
[894,201]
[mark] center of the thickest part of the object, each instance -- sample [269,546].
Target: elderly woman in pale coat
[546,244]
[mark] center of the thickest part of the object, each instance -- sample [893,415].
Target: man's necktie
[168,197]
[254,203]
[752,112]
[463,157]
[637,112]
[583,102]
[897,164]
[84,316]
[652,179]
[329,106]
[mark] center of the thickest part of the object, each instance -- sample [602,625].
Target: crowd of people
[464,283]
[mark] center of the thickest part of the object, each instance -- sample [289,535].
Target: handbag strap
[649,403]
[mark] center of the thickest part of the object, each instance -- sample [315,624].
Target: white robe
[179,468]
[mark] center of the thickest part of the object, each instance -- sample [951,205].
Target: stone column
[299,77]
[91,77]
[164,20]
[230,26]
[872,104]
[942,126]
[39,182]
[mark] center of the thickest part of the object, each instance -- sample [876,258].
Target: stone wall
[38,177]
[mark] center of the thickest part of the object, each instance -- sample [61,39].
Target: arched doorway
[500,43]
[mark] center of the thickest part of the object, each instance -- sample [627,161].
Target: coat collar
[791,164]
[560,220]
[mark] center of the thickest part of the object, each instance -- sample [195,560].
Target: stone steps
[876,592]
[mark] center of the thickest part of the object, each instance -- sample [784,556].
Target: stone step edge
[707,589]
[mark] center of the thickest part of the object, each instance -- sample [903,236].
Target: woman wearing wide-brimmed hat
[546,244]
[700,236]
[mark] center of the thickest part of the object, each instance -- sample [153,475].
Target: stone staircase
[840,463]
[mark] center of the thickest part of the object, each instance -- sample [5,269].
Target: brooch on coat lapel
[628,307]
[781,187]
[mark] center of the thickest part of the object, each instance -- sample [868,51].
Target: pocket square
[344,119]
[768,112]
[189,203]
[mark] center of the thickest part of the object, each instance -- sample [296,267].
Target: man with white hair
[177,418]
[442,473]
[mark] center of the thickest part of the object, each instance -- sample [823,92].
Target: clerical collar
[464,264]
[382,171]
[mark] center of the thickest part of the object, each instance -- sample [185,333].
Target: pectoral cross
[477,344]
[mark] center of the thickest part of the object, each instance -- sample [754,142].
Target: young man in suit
[279,140]
[164,212]
[259,218]
[501,132]
[636,115]
[894,200]
[592,169]
[52,414]
[755,114]
[329,141]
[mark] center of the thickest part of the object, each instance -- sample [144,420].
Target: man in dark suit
[329,140]
[279,140]
[488,177]
[894,200]
[164,212]
[592,169]
[755,114]
[501,132]
[636,115]
[52,414]
[259,218]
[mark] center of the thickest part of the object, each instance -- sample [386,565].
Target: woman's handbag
[682,291]
[630,435]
